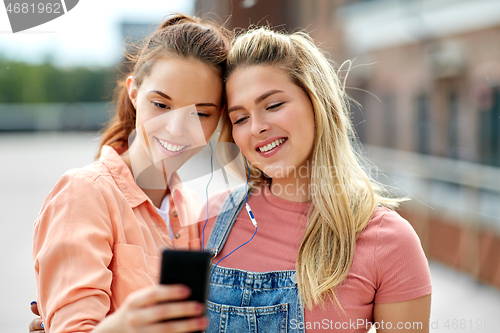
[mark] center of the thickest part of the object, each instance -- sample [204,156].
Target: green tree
[28,83]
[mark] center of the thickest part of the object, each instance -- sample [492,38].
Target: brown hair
[179,35]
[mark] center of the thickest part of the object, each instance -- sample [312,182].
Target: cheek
[143,114]
[308,136]
[308,123]
[238,137]
[303,131]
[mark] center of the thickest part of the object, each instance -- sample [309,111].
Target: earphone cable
[206,193]
[250,214]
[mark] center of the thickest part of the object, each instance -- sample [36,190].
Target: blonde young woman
[329,252]
[99,235]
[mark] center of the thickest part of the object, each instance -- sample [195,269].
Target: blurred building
[134,35]
[427,74]
[436,73]
[315,16]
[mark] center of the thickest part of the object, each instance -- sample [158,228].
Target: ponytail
[177,19]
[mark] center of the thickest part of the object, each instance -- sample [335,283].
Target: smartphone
[191,268]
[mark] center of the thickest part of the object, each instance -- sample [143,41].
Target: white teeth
[272,145]
[170,147]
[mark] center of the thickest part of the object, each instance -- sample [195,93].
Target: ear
[132,90]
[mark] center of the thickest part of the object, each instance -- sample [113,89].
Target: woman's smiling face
[177,107]
[273,119]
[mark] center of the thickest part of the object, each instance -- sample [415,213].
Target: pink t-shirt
[389,264]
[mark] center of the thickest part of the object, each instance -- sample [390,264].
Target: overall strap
[225,220]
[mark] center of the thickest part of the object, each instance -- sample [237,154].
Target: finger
[165,311]
[34,308]
[158,294]
[179,326]
[36,325]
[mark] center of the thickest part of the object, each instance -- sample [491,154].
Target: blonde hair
[345,197]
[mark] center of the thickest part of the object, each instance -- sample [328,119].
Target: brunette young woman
[99,235]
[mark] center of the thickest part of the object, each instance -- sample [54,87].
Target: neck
[149,175]
[156,196]
[294,189]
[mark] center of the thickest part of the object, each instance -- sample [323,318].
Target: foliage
[29,83]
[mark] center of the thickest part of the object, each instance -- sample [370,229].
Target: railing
[465,191]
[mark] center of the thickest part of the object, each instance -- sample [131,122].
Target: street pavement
[30,165]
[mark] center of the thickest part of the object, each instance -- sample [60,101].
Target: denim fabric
[242,301]
[225,219]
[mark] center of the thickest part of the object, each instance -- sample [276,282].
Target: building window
[390,120]
[423,125]
[489,131]
[453,124]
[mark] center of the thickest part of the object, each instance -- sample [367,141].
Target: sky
[87,35]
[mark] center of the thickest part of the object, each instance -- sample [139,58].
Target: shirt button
[177,235]
[175,213]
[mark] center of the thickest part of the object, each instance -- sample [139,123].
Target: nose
[177,123]
[259,124]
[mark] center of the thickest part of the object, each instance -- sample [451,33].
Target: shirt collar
[122,176]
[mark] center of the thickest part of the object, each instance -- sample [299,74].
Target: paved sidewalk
[31,165]
[462,305]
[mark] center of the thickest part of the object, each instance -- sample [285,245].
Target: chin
[275,171]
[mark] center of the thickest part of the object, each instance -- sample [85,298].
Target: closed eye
[275,106]
[240,120]
[201,114]
[161,105]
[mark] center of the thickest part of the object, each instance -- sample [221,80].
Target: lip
[168,152]
[268,141]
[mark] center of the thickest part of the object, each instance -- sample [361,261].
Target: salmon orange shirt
[98,238]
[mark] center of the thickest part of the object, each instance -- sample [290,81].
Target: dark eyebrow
[257,100]
[169,98]
[207,104]
[266,95]
[161,94]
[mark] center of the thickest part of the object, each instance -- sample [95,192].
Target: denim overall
[242,301]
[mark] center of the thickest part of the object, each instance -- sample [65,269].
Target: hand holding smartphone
[190,268]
